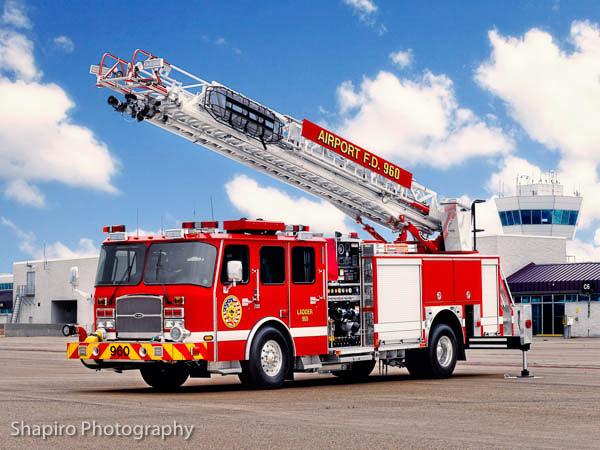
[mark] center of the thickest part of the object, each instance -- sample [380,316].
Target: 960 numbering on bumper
[118,350]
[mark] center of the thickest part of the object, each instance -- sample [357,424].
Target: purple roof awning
[554,277]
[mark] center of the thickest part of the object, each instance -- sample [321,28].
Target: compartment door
[490,294]
[399,306]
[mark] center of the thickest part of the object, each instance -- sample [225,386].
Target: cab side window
[303,265]
[236,253]
[272,265]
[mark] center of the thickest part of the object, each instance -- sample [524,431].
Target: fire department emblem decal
[231,311]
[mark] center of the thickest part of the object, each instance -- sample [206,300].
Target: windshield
[121,264]
[181,263]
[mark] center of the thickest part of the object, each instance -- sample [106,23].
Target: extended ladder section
[231,124]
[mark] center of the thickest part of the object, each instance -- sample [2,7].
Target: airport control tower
[540,208]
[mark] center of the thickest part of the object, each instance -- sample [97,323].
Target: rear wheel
[438,360]
[165,377]
[359,371]
[269,359]
[67,330]
[443,351]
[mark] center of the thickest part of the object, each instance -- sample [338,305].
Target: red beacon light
[114,229]
[296,228]
[197,225]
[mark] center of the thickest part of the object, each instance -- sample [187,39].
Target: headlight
[108,324]
[174,323]
[179,334]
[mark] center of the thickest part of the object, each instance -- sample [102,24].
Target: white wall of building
[51,285]
[585,318]
[516,251]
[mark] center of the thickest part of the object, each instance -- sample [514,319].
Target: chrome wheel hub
[444,351]
[271,358]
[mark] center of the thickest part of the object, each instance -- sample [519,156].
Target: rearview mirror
[234,271]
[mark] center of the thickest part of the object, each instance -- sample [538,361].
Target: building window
[517,217]
[30,287]
[526,216]
[509,218]
[503,218]
[572,217]
[546,216]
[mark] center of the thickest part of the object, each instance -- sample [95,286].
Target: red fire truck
[263,299]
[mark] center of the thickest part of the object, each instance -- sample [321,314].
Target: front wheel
[165,377]
[269,359]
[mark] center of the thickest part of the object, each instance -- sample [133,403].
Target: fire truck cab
[264,300]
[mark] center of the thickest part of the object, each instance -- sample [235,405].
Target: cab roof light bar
[199,225]
[114,229]
[297,228]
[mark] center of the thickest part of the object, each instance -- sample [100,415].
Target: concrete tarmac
[479,407]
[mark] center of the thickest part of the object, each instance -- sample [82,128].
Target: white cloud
[255,201]
[28,244]
[579,251]
[362,6]
[14,14]
[402,58]
[416,122]
[220,41]
[366,11]
[24,193]
[554,95]
[505,179]
[38,140]
[16,56]
[64,43]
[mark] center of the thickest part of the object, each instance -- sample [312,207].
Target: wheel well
[447,317]
[277,324]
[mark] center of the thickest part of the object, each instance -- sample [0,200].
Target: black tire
[269,359]
[442,352]
[165,377]
[244,376]
[360,370]
[66,330]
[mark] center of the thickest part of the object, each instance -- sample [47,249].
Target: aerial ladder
[296,152]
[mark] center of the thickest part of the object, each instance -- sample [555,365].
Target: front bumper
[137,351]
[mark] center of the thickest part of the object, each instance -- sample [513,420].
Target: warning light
[196,225]
[528,323]
[114,229]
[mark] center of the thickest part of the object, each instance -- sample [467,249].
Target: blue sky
[465,95]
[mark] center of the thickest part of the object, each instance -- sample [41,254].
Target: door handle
[314,300]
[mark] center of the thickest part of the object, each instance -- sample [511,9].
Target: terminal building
[537,223]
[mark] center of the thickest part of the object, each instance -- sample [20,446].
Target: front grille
[139,316]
